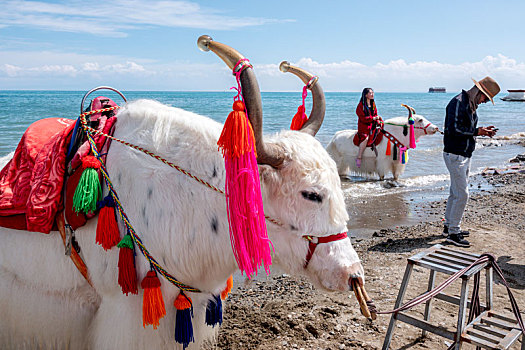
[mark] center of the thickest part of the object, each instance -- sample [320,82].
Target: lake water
[371,204]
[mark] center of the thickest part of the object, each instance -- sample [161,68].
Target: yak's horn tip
[284,66]
[204,42]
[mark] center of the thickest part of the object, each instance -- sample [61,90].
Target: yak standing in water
[46,303]
[343,150]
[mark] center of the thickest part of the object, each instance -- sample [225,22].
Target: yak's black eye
[312,196]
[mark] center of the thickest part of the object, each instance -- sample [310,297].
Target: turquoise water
[425,176]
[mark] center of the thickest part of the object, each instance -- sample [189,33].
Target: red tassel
[227,290]
[388,149]
[182,302]
[127,275]
[90,162]
[236,138]
[299,119]
[108,234]
[153,308]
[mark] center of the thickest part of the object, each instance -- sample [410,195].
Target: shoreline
[284,312]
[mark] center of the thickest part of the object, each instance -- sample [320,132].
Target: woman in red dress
[367,112]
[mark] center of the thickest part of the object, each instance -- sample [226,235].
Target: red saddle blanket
[375,138]
[31,183]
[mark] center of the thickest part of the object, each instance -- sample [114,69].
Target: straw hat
[488,86]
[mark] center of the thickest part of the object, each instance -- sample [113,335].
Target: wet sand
[399,206]
[283,312]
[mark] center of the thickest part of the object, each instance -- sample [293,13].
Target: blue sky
[151,45]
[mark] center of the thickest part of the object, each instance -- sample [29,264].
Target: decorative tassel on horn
[108,234]
[127,274]
[412,133]
[153,308]
[89,190]
[248,235]
[300,117]
[183,325]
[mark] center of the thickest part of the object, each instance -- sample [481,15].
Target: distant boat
[437,89]
[515,95]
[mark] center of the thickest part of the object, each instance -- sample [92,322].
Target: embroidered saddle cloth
[31,183]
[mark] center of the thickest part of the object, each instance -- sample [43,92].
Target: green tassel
[88,192]
[126,242]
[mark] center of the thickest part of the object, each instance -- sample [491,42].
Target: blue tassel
[183,325]
[214,311]
[403,158]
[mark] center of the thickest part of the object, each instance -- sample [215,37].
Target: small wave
[380,188]
[516,136]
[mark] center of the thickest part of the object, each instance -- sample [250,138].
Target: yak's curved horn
[410,109]
[316,118]
[266,154]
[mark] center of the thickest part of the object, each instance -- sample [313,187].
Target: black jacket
[460,126]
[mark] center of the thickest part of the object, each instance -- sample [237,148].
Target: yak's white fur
[45,302]
[342,149]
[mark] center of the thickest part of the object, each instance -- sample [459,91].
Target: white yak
[343,150]
[45,303]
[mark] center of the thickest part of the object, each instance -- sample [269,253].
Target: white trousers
[459,168]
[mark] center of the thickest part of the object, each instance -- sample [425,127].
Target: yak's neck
[397,130]
[182,222]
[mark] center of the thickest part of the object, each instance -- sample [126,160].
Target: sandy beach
[284,312]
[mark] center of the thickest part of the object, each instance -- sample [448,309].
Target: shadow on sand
[405,245]
[514,273]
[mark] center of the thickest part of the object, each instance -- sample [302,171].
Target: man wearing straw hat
[460,141]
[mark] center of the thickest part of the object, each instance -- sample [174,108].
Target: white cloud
[115,18]
[399,75]
[10,70]
[18,71]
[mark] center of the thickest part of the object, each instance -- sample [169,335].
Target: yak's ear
[269,175]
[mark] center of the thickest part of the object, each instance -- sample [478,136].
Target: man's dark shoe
[464,233]
[457,239]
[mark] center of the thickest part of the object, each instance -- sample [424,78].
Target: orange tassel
[388,149]
[299,119]
[153,308]
[236,139]
[108,234]
[227,290]
[182,302]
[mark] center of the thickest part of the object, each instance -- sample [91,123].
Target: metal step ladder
[489,330]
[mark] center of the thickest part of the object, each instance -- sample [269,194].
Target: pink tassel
[401,152]
[412,134]
[250,242]
[248,236]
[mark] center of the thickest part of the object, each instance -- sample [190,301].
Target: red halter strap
[425,128]
[314,241]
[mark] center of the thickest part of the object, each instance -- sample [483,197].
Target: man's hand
[487,131]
